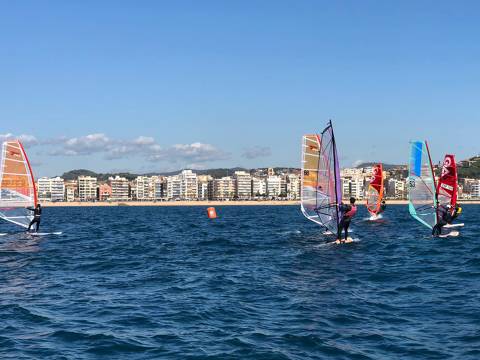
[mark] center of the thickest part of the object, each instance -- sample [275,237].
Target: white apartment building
[224,188]
[189,185]
[274,186]
[51,189]
[400,189]
[174,187]
[243,185]
[145,187]
[259,187]
[293,187]
[352,173]
[475,189]
[120,188]
[352,187]
[87,188]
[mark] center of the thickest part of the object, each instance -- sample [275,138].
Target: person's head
[39,206]
[352,200]
[383,201]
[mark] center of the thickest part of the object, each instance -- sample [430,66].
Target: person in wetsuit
[37,214]
[383,206]
[348,212]
[444,217]
[456,212]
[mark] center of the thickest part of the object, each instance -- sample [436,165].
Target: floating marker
[212,214]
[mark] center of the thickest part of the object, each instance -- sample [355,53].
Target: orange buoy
[212,214]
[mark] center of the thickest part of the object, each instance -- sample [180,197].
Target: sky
[152,86]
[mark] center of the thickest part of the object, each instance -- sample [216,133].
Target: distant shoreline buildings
[257,184]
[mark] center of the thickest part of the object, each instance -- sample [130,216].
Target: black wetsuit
[382,208]
[37,213]
[345,222]
[455,214]
[443,218]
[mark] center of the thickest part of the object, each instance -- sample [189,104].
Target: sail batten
[421,185]
[321,190]
[17,185]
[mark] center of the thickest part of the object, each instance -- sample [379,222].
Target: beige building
[223,188]
[120,188]
[87,188]
[243,185]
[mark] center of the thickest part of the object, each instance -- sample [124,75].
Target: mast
[334,171]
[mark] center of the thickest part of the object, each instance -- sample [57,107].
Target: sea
[258,282]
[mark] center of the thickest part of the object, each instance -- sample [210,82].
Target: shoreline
[208,203]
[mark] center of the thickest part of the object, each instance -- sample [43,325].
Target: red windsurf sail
[448,183]
[375,190]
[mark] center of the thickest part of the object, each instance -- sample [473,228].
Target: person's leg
[30,225]
[347,224]
[339,231]
[38,225]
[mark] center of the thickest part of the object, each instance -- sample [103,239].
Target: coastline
[209,203]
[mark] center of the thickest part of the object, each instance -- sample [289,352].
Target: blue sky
[156,85]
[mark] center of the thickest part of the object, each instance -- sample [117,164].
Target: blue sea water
[256,283]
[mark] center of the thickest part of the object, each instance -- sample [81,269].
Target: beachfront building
[87,188]
[274,186]
[204,187]
[400,189]
[352,187]
[160,188]
[174,187]
[51,189]
[189,185]
[352,173]
[71,190]
[120,188]
[475,189]
[104,192]
[145,187]
[224,188]
[243,185]
[259,187]
[293,187]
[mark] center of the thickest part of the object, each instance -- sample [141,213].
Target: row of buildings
[242,185]
[185,186]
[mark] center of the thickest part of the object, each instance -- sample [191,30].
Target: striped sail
[17,186]
[321,186]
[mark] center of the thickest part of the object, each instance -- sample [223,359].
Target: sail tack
[375,190]
[448,182]
[421,185]
[321,185]
[17,185]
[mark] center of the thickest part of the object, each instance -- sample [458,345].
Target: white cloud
[143,146]
[26,139]
[257,152]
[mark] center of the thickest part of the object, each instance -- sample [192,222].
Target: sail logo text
[447,187]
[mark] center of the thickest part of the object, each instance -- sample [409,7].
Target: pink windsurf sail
[448,182]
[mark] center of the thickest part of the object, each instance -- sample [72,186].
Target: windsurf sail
[448,183]
[375,190]
[321,184]
[422,195]
[17,185]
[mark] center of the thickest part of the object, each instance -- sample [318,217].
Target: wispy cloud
[142,146]
[257,152]
[26,140]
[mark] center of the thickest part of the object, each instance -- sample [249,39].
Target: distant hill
[469,168]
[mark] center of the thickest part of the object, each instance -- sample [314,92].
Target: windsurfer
[383,206]
[37,214]
[444,217]
[456,212]
[348,212]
